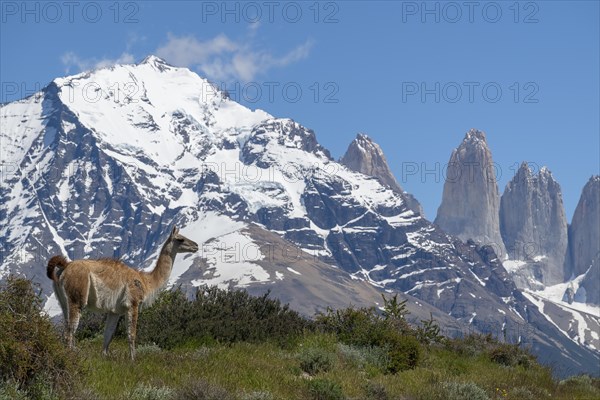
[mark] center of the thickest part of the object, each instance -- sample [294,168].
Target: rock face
[365,156]
[584,239]
[534,226]
[470,201]
[588,291]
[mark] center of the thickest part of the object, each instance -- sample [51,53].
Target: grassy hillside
[228,345]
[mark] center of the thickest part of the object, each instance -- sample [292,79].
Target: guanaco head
[181,244]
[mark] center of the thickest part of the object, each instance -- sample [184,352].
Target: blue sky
[415,76]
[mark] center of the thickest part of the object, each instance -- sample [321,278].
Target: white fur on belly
[103,299]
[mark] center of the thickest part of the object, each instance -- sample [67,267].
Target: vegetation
[367,328]
[33,361]
[218,315]
[229,345]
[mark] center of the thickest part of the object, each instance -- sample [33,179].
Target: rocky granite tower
[533,225]
[584,232]
[470,202]
[584,242]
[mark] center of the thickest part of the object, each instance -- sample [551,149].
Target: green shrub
[257,396]
[584,381]
[462,391]
[148,392]
[362,356]
[324,389]
[525,359]
[395,312]
[11,391]
[471,345]
[80,393]
[583,385]
[366,327]
[91,325]
[315,359]
[429,332]
[31,351]
[501,353]
[202,390]
[359,327]
[506,354]
[376,391]
[41,388]
[165,323]
[218,315]
[148,349]
[522,393]
[404,352]
[236,316]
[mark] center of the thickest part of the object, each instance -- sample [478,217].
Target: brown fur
[55,262]
[109,286]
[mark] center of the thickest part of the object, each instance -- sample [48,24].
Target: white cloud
[125,58]
[186,51]
[221,58]
[72,61]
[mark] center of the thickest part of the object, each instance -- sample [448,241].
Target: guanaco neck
[164,265]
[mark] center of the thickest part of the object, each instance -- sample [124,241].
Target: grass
[265,352]
[265,370]
[239,367]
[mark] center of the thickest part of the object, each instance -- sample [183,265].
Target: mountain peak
[365,144]
[532,212]
[156,62]
[365,156]
[584,233]
[545,173]
[524,170]
[591,188]
[152,59]
[475,135]
[285,133]
[363,137]
[470,200]
[120,73]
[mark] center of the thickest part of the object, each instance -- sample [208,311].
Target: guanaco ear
[174,231]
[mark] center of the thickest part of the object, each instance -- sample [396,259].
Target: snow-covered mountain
[103,163]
